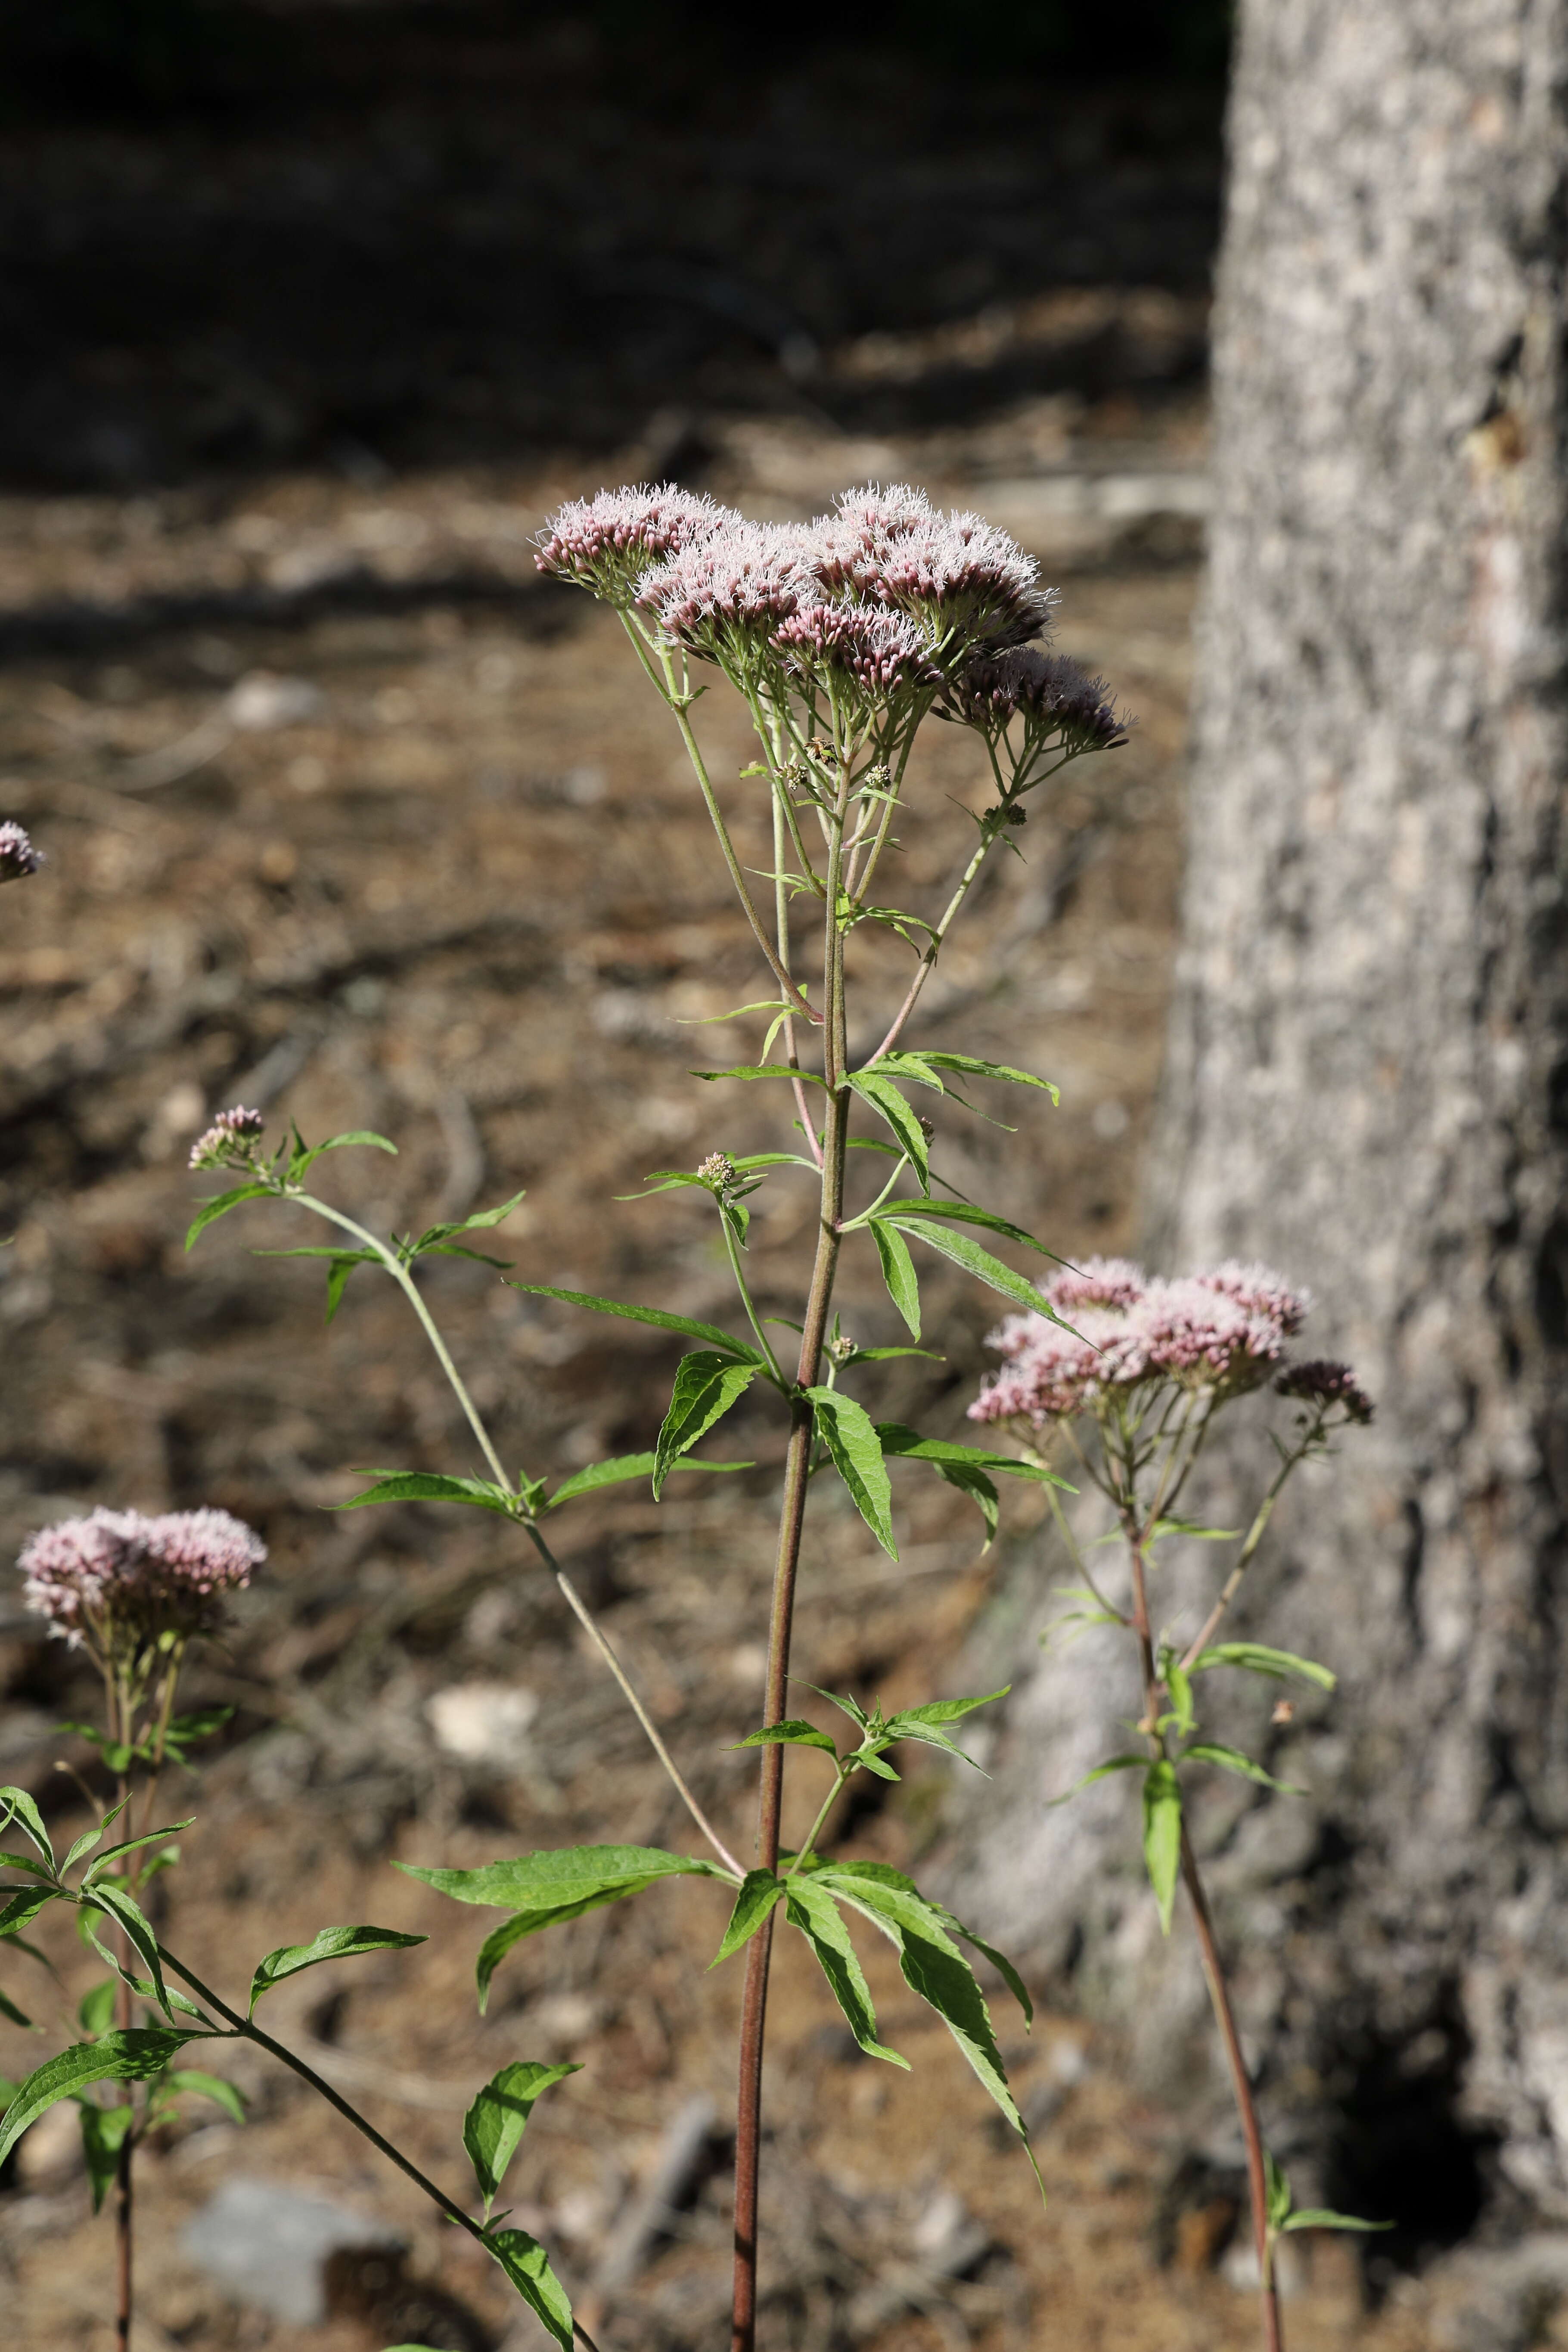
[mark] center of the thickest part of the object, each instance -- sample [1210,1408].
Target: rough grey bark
[1368,1085]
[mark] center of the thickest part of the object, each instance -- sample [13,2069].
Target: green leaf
[810,1907]
[932,1965]
[1179,1683]
[884,1098]
[967,1064]
[964,1212]
[341,1142]
[111,1896]
[129,2056]
[198,2085]
[760,1070]
[21,1910]
[760,1890]
[948,1710]
[914,1067]
[527,2265]
[35,1869]
[976,1261]
[429,1486]
[330,1944]
[1210,1751]
[847,1431]
[795,1732]
[1192,1527]
[113,1852]
[199,1724]
[899,1272]
[548,1888]
[220,1205]
[706,1386]
[654,1315]
[17,2016]
[103,2131]
[1256,1658]
[908,1444]
[1317,2217]
[494,2124]
[97,2007]
[1162,1833]
[20,1807]
[1277,2190]
[626,1465]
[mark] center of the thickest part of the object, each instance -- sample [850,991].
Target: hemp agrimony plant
[1131,1392]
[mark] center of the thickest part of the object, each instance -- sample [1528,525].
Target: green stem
[815,1832]
[739,1272]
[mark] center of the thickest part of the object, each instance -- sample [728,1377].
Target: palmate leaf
[899,1272]
[850,1436]
[1163,1834]
[494,2124]
[654,1315]
[132,2055]
[328,1944]
[546,1889]
[625,1466]
[884,1098]
[706,1385]
[810,1906]
[527,2264]
[931,1963]
[759,1890]
[974,1259]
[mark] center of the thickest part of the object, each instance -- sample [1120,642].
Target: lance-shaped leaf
[759,1890]
[1211,1752]
[527,2265]
[932,1965]
[794,1733]
[924,1723]
[969,1067]
[306,1155]
[811,1907]
[884,1098]
[112,1854]
[494,2124]
[625,1466]
[1161,1834]
[546,1889]
[430,1486]
[330,1944]
[1258,1658]
[761,1070]
[188,2081]
[899,1272]
[130,2056]
[103,2131]
[219,1206]
[20,1808]
[850,1436]
[341,1265]
[964,1212]
[706,1385]
[1318,2217]
[17,2016]
[967,1253]
[111,1895]
[654,1315]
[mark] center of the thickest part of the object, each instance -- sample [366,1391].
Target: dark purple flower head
[608,542]
[1327,1385]
[884,654]
[967,582]
[722,596]
[117,1582]
[18,858]
[230,1141]
[1054,698]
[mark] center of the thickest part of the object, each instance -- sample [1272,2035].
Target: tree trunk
[1367,1086]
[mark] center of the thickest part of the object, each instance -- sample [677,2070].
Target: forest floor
[349,816]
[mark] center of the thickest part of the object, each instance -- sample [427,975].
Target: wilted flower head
[230,1141]
[1326,1384]
[723,595]
[606,543]
[1056,699]
[18,858]
[1221,1332]
[116,1582]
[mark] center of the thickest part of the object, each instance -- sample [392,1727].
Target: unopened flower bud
[1284,1711]
[841,1346]
[719,1171]
[1326,1385]
[230,1141]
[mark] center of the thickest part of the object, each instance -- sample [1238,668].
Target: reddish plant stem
[124,2206]
[1214,1973]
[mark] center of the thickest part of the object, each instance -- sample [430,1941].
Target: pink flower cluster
[1222,1331]
[231,1140]
[1048,691]
[878,592]
[606,543]
[118,1580]
[18,858]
